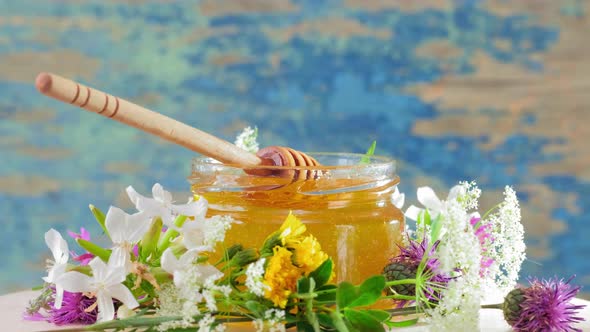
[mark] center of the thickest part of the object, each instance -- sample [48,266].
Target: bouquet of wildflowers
[169,269]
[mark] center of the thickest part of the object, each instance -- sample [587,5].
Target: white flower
[105,283]
[125,230]
[254,275]
[459,254]
[247,140]
[465,193]
[398,199]
[161,205]
[203,234]
[185,271]
[272,322]
[172,303]
[57,267]
[507,248]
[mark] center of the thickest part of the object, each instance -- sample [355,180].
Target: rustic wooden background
[494,91]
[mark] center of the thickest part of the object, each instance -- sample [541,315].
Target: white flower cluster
[460,251]
[507,248]
[254,274]
[194,281]
[272,322]
[459,254]
[247,140]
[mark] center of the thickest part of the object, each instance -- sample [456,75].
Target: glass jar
[346,203]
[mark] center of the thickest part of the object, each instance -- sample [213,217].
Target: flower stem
[492,306]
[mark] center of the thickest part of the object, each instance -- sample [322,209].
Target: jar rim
[373,162]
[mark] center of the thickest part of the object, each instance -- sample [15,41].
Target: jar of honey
[345,202]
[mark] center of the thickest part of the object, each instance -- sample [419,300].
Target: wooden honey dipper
[133,115]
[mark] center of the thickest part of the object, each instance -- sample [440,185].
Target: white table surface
[12,307]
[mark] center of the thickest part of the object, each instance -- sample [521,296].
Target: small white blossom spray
[247,140]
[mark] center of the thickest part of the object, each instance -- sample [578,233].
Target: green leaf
[345,294]
[148,288]
[404,323]
[170,234]
[304,285]
[272,241]
[380,315]
[435,229]
[149,243]
[322,274]
[94,249]
[370,152]
[363,321]
[339,323]
[370,291]
[325,320]
[100,218]
[328,296]
[256,308]
[304,326]
[424,217]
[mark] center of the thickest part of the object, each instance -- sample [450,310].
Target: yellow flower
[291,229]
[308,254]
[281,277]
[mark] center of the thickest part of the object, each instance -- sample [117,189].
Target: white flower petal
[55,272]
[106,309]
[116,224]
[161,195]
[398,199]
[193,234]
[133,195]
[137,225]
[59,296]
[412,212]
[456,191]
[428,198]
[196,209]
[209,271]
[123,294]
[169,262]
[99,268]
[75,282]
[120,257]
[57,245]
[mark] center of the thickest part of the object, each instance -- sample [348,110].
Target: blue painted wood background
[494,91]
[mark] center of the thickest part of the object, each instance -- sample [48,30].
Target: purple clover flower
[484,235]
[543,306]
[412,255]
[74,310]
[85,258]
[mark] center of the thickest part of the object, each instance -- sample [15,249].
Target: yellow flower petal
[291,229]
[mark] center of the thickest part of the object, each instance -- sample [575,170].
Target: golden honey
[347,205]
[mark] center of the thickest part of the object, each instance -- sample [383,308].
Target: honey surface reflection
[347,208]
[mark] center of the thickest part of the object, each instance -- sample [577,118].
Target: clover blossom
[483,233]
[76,308]
[161,205]
[84,258]
[543,306]
[413,258]
[105,284]
[56,267]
